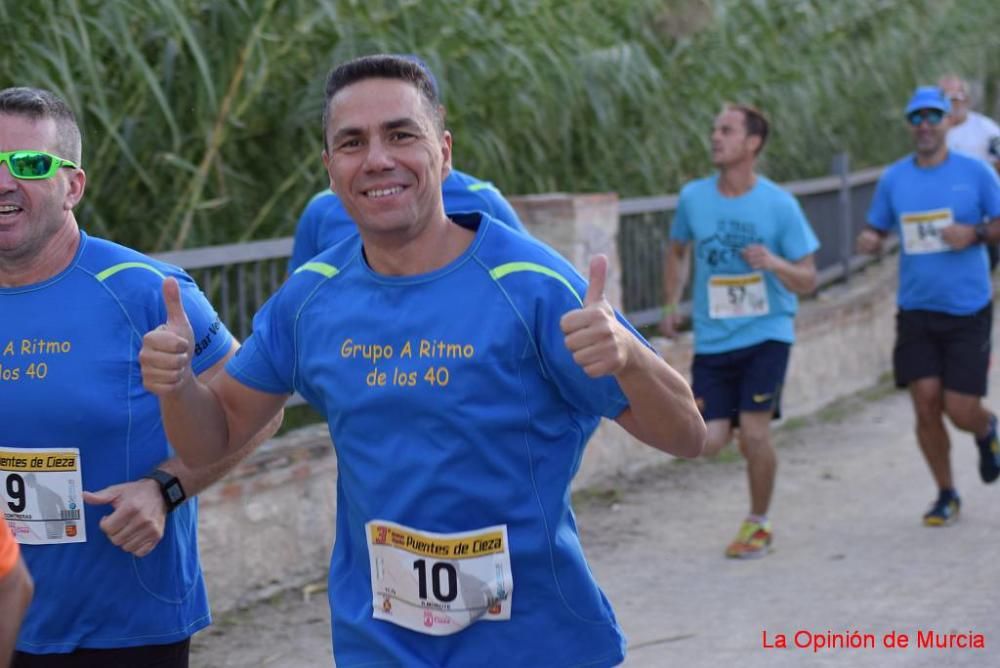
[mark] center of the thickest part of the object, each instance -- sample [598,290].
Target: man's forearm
[799,278]
[196,426]
[195,480]
[15,594]
[662,409]
[674,278]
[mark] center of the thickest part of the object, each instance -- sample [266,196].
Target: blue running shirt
[720,228]
[325,221]
[962,189]
[70,375]
[454,405]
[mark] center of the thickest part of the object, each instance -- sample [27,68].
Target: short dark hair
[754,121]
[384,66]
[38,104]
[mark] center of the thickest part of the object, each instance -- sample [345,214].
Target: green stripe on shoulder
[327,270]
[482,185]
[321,193]
[513,267]
[111,271]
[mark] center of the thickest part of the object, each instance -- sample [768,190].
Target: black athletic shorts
[954,348]
[174,655]
[747,379]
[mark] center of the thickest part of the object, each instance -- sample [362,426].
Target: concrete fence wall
[269,525]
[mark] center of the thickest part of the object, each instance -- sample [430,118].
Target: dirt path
[850,555]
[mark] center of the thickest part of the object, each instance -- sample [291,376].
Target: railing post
[842,168]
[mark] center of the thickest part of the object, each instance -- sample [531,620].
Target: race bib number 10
[737,296]
[40,494]
[437,583]
[922,231]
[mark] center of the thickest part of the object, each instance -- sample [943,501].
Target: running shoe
[989,453]
[944,511]
[751,542]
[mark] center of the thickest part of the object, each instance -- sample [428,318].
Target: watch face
[174,493]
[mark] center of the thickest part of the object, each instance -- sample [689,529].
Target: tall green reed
[201,117]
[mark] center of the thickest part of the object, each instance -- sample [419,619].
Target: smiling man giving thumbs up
[462,368]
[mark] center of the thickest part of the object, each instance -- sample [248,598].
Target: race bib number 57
[437,583]
[737,296]
[40,495]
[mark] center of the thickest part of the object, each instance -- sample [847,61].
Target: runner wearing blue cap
[936,200]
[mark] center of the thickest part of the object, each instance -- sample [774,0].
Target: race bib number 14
[922,231]
[437,583]
[40,494]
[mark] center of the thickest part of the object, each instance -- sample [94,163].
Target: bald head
[957,90]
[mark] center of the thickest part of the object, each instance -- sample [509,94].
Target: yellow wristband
[669,308]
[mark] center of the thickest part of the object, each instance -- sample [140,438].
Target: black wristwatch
[170,488]
[981,233]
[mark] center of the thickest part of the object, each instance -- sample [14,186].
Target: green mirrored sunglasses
[33,164]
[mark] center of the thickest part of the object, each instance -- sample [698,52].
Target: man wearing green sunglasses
[29,165]
[88,483]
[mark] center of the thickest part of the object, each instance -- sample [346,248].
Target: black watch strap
[981,233]
[170,488]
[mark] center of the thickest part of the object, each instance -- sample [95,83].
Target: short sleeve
[593,396]
[880,213]
[680,228]
[497,206]
[797,238]
[990,192]
[993,139]
[305,244]
[212,339]
[266,360]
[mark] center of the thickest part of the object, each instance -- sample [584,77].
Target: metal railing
[238,278]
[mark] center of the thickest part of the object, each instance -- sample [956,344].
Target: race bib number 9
[40,493]
[737,296]
[437,583]
[922,231]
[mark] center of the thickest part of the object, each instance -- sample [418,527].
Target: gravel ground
[850,554]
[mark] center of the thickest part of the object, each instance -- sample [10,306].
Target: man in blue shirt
[461,367]
[753,251]
[936,201]
[88,482]
[325,221]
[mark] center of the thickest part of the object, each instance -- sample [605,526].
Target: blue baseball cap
[928,97]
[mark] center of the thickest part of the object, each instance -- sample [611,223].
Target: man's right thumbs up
[177,319]
[166,352]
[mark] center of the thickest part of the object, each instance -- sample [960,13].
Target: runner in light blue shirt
[753,252]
